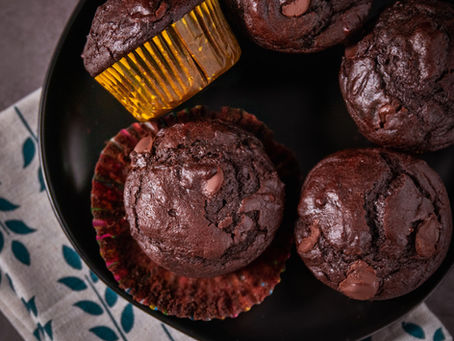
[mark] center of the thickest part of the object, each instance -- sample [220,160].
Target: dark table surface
[30,31]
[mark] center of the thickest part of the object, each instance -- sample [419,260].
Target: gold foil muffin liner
[174,65]
[159,289]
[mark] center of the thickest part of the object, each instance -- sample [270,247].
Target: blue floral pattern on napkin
[83,307]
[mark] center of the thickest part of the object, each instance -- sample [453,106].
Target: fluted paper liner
[160,289]
[175,64]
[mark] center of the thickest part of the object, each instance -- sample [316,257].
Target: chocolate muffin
[398,81]
[373,224]
[153,55]
[162,290]
[203,198]
[119,26]
[300,25]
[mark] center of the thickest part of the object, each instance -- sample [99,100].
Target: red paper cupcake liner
[160,289]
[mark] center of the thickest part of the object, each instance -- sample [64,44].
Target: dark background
[30,31]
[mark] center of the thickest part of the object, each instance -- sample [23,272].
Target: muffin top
[120,26]
[301,25]
[398,81]
[203,198]
[373,224]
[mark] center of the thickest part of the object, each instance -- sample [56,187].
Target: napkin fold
[48,293]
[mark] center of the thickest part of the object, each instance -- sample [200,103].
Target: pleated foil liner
[151,285]
[174,65]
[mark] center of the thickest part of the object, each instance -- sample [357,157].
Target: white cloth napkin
[48,293]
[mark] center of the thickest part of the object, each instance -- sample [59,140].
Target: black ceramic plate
[298,97]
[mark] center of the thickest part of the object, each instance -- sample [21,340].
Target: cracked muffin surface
[373,224]
[398,81]
[203,198]
[119,26]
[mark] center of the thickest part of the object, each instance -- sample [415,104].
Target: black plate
[298,97]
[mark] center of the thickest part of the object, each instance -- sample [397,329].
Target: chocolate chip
[361,282]
[295,8]
[388,111]
[138,157]
[256,202]
[309,242]
[214,183]
[144,145]
[383,112]
[427,237]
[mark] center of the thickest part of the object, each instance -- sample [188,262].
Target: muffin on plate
[373,224]
[300,26]
[189,211]
[398,82]
[202,198]
[154,55]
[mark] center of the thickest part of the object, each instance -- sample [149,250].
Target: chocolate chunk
[140,152]
[213,184]
[309,242]
[144,145]
[427,237]
[361,282]
[295,8]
